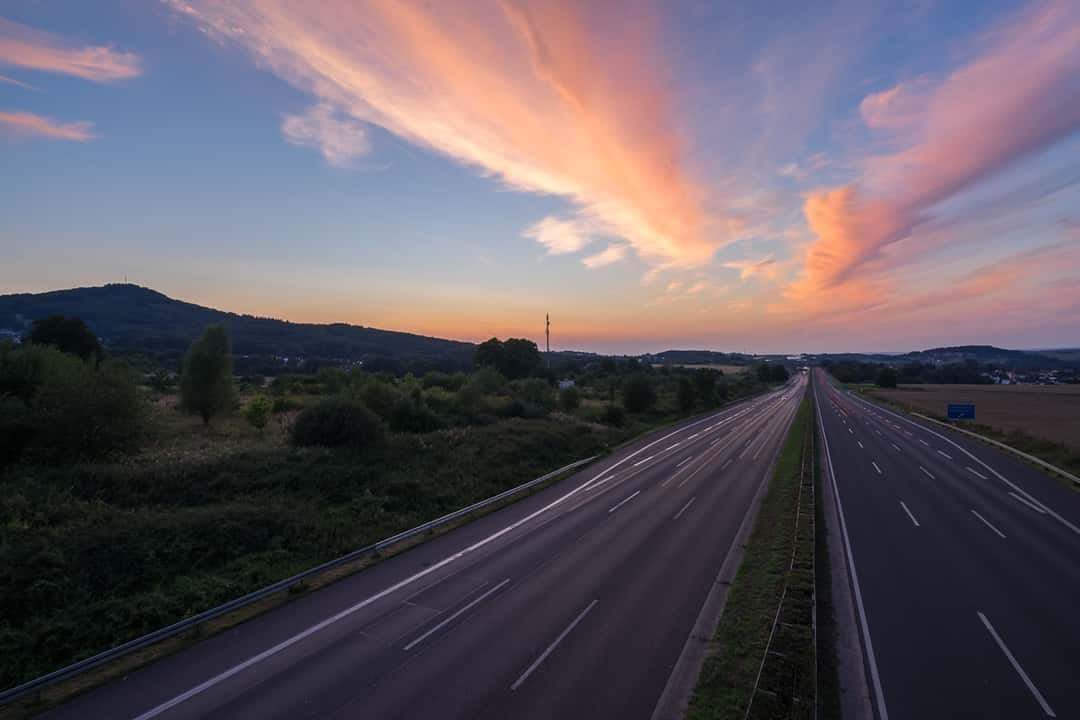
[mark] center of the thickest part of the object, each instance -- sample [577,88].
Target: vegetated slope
[130,317]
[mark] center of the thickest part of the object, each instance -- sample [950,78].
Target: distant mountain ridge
[133,318]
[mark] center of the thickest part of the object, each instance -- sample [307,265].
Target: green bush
[285,404]
[639,395]
[56,407]
[536,391]
[614,415]
[569,399]
[337,422]
[410,414]
[257,412]
[685,394]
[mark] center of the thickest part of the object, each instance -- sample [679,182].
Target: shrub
[285,404]
[535,391]
[886,378]
[569,399]
[614,415]
[639,395]
[60,408]
[488,381]
[257,412]
[685,394]
[337,422]
[410,414]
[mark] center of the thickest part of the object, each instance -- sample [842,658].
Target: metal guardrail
[194,621]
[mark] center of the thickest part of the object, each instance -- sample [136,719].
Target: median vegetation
[132,500]
[764,658]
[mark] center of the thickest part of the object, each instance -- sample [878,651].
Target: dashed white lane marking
[976,473]
[455,616]
[685,461]
[895,447]
[909,513]
[876,468]
[1016,666]
[924,442]
[987,523]
[642,462]
[623,502]
[684,508]
[550,648]
[860,444]
[944,454]
[928,473]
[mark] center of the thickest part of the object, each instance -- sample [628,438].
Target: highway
[966,567]
[575,602]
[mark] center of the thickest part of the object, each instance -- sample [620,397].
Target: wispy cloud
[1017,96]
[17,83]
[25,47]
[530,93]
[560,236]
[765,267]
[613,253]
[28,124]
[339,138]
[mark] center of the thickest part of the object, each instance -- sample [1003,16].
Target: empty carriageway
[574,602]
[967,567]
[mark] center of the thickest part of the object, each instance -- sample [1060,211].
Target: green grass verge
[728,676]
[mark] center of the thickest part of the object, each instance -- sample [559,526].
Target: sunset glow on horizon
[775,177]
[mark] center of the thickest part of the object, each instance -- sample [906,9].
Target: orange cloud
[21,46]
[528,92]
[1015,98]
[23,123]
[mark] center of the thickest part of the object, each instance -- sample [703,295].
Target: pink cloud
[1017,96]
[339,139]
[23,123]
[528,92]
[22,46]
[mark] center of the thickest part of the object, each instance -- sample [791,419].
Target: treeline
[968,372]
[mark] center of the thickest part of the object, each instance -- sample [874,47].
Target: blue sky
[768,176]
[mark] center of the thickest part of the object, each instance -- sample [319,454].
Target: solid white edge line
[909,513]
[1033,506]
[964,450]
[288,642]
[987,523]
[550,648]
[1016,666]
[623,502]
[685,508]
[455,616]
[879,695]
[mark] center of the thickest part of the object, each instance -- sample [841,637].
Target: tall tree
[639,395]
[520,358]
[489,354]
[67,334]
[685,394]
[206,387]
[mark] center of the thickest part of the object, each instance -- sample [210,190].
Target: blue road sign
[958,411]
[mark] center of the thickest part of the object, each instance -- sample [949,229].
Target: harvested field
[1049,412]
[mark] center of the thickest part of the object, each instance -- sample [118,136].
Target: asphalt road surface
[573,603]
[967,567]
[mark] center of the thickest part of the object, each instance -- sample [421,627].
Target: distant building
[567,383]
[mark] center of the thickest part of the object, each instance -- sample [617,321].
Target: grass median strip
[763,655]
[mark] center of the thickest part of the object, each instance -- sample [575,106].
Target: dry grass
[1049,412]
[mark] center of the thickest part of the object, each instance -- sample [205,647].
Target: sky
[756,176]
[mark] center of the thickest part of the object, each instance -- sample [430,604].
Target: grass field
[1048,412]
[726,369]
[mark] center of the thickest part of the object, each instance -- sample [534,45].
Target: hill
[133,319]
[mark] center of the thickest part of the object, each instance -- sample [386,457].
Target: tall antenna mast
[547,333]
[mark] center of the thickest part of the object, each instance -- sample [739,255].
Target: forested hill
[132,318]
